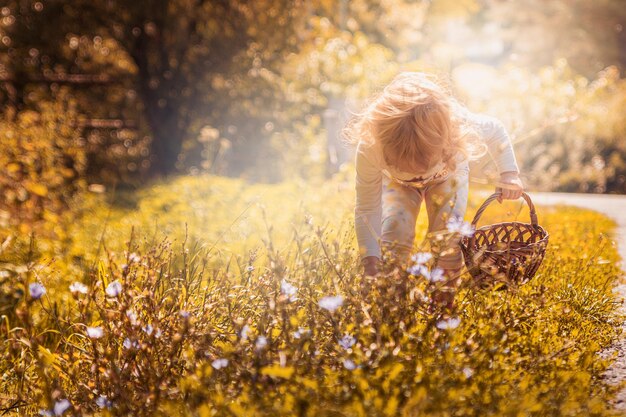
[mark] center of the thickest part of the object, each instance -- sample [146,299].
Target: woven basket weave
[508,252]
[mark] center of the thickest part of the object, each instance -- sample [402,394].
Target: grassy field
[208,296]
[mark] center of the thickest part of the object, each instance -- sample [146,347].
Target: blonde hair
[417,122]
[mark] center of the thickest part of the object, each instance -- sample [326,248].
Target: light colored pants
[444,198]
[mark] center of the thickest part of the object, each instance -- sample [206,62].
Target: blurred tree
[184,59]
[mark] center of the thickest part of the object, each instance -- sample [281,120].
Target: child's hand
[510,185]
[370,265]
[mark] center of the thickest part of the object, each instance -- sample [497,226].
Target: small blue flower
[219,363]
[78,287]
[289,290]
[349,364]
[103,402]
[450,323]
[457,225]
[243,334]
[61,406]
[261,343]
[331,303]
[347,341]
[421,258]
[36,290]
[95,332]
[114,289]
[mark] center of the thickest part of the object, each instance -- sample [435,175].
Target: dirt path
[614,207]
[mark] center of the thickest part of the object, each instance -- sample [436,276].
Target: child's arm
[497,140]
[368,208]
[501,151]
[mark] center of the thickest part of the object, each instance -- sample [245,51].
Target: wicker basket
[504,253]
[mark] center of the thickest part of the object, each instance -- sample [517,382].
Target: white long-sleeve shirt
[370,165]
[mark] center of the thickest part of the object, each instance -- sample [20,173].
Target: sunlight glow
[475,80]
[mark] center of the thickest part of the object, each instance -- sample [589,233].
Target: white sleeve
[368,208]
[497,140]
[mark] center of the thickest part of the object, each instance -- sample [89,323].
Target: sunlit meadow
[209,296]
[177,209]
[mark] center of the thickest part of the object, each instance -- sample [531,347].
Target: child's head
[415,120]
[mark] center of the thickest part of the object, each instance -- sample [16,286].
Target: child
[413,144]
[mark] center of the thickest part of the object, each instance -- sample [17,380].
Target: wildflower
[133,257]
[421,258]
[61,406]
[349,364]
[289,290]
[148,329]
[301,332]
[103,402]
[78,287]
[435,275]
[331,303]
[261,342]
[219,363]
[36,290]
[114,289]
[468,372]
[132,316]
[249,268]
[458,225]
[243,334]
[347,341]
[128,344]
[417,270]
[184,314]
[95,332]
[450,323]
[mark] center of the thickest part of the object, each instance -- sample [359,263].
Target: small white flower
[289,290]
[36,290]
[184,314]
[78,287]
[128,344]
[243,334]
[417,270]
[261,342]
[347,341]
[114,289]
[349,364]
[468,372]
[103,402]
[450,323]
[148,329]
[435,275]
[95,332]
[219,363]
[331,303]
[457,225]
[421,258]
[133,257]
[132,316]
[301,332]
[61,406]
[249,268]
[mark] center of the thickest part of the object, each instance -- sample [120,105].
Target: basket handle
[533,213]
